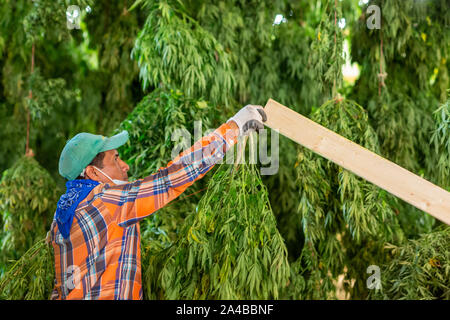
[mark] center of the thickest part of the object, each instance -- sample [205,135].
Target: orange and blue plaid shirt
[101,258]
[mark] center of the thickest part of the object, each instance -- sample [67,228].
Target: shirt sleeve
[129,203]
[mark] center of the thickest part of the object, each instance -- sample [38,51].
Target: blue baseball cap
[79,151]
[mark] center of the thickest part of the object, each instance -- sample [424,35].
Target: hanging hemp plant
[47,19]
[28,197]
[326,62]
[32,276]
[420,269]
[440,140]
[28,193]
[173,48]
[47,95]
[404,74]
[284,200]
[229,248]
[113,30]
[345,219]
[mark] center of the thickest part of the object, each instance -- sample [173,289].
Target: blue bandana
[76,191]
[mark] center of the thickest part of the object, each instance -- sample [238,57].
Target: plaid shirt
[101,258]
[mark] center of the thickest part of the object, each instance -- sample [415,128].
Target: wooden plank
[361,161]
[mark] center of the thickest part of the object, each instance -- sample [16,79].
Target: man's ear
[91,173]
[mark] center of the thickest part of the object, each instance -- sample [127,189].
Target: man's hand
[249,118]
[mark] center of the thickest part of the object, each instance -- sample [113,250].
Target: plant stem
[30,96]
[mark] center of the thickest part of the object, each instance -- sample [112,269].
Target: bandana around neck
[76,191]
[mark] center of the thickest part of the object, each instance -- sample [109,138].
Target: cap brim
[115,141]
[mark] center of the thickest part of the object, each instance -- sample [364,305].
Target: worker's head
[106,167]
[94,157]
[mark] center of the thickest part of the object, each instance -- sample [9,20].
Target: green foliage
[17,60]
[11,136]
[174,49]
[32,276]
[413,221]
[229,248]
[296,288]
[401,102]
[75,56]
[111,31]
[28,197]
[247,34]
[414,62]
[46,19]
[46,95]
[284,200]
[440,140]
[327,60]
[420,269]
[340,213]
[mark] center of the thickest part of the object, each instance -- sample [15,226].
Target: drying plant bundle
[344,218]
[420,269]
[28,197]
[229,248]
[32,276]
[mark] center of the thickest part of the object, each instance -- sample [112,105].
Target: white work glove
[249,118]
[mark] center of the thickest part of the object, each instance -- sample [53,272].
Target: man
[95,233]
